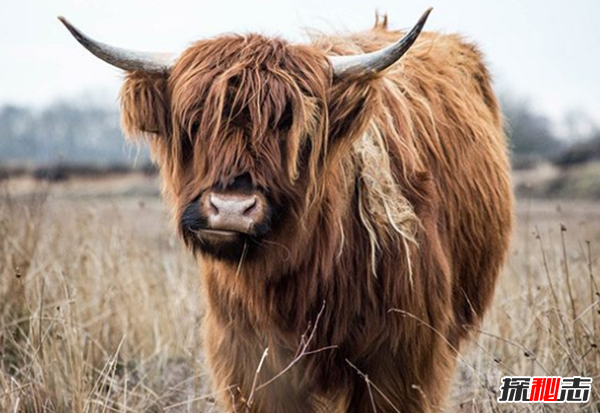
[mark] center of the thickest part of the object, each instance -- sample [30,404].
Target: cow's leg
[276,398]
[234,363]
[390,383]
[385,391]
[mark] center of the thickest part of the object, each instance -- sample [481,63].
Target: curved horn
[374,62]
[123,58]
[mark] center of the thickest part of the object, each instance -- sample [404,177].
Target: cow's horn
[374,62]
[123,58]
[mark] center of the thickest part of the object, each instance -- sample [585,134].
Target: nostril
[213,209]
[251,207]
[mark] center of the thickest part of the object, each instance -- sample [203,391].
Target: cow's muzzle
[231,214]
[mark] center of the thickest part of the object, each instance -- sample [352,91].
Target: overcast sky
[548,50]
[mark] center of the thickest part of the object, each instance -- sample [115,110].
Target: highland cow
[348,202]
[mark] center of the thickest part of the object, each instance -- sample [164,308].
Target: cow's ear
[350,108]
[145,108]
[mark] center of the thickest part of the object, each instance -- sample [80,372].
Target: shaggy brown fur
[396,213]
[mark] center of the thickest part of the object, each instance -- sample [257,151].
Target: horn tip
[67,23]
[427,13]
[73,30]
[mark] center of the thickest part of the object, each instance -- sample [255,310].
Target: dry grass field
[100,306]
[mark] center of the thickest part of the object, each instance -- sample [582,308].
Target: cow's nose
[236,205]
[233,212]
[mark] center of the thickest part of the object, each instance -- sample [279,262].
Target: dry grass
[546,315]
[100,306]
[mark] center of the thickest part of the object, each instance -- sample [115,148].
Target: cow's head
[246,128]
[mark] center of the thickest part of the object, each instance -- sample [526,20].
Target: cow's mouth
[217,235]
[222,244]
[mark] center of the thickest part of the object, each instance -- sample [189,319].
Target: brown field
[100,306]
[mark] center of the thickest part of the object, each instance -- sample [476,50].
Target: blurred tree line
[534,137]
[67,133]
[64,133]
[530,132]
